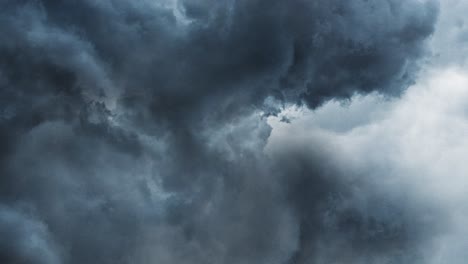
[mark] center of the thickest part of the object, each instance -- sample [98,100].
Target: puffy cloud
[25,239]
[135,131]
[403,166]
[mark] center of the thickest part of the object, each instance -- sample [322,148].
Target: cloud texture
[411,153]
[136,131]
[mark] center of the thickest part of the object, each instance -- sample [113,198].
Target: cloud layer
[136,132]
[411,154]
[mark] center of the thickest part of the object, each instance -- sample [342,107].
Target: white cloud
[418,142]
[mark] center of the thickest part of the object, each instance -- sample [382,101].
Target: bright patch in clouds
[417,142]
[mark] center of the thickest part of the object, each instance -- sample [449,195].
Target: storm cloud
[138,131]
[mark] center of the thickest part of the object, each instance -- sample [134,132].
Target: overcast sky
[233,131]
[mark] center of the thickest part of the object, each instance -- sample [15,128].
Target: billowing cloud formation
[412,153]
[24,239]
[134,131]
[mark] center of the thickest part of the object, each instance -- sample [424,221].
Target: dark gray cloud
[25,239]
[133,131]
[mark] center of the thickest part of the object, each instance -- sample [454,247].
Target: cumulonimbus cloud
[133,129]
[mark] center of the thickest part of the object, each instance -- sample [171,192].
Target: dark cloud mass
[133,131]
